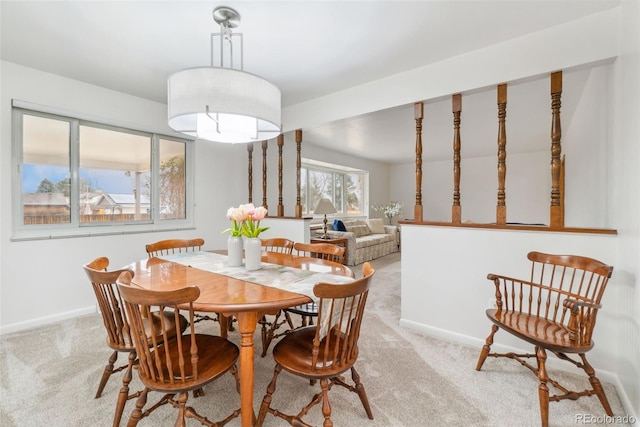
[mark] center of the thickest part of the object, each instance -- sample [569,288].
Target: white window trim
[21,232]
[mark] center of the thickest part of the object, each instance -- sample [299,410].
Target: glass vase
[234,251]
[252,254]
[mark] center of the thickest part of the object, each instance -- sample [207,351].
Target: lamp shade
[223,105]
[324,207]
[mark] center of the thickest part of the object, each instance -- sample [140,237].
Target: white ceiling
[307,48]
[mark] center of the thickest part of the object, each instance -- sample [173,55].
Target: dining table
[283,281]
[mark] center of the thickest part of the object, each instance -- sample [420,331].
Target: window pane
[114,176]
[45,170]
[354,186]
[303,191]
[337,202]
[172,180]
[320,186]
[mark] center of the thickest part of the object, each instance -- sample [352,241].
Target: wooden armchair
[326,351]
[555,311]
[174,366]
[119,332]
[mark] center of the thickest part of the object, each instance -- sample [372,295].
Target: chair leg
[108,370]
[136,414]
[595,383]
[543,389]
[326,407]
[486,347]
[266,400]
[361,392]
[182,402]
[123,395]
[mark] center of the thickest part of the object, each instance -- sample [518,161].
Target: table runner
[274,275]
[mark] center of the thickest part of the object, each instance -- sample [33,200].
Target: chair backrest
[340,312]
[558,285]
[171,373]
[327,251]
[172,246]
[277,244]
[110,303]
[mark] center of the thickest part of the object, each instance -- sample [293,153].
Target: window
[74,173]
[345,187]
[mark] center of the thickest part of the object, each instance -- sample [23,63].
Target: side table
[335,241]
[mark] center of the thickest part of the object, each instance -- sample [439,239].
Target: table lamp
[325,207]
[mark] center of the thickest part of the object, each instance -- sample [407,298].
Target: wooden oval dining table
[229,296]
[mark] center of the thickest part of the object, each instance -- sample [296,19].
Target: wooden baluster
[456,107]
[556,218]
[250,151]
[265,144]
[418,112]
[298,212]
[501,208]
[280,205]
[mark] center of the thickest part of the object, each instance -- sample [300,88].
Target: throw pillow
[338,225]
[360,230]
[376,226]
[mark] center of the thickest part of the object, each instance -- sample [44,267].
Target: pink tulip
[236,214]
[248,209]
[259,213]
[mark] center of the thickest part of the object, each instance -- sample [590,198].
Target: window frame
[75,228]
[324,167]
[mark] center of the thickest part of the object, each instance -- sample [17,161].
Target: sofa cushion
[372,240]
[360,230]
[376,225]
[338,225]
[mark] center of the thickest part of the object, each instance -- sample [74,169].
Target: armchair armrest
[577,327]
[351,241]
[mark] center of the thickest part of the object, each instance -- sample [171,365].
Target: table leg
[247,322]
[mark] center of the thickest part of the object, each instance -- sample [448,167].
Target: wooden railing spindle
[265,145]
[280,205]
[418,111]
[501,208]
[250,152]
[556,218]
[456,209]
[298,212]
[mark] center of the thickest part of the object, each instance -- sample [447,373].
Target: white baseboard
[42,321]
[553,363]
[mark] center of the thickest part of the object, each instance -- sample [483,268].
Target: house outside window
[73,173]
[345,187]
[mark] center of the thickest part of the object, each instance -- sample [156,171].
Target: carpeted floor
[50,375]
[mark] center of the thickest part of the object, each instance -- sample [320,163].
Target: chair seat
[216,355]
[294,351]
[538,331]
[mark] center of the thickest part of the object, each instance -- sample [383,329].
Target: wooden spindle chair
[176,246]
[116,324]
[324,251]
[325,351]
[277,244]
[174,367]
[555,311]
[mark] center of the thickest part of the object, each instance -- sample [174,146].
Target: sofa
[366,240]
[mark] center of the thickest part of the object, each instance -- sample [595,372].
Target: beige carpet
[50,375]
